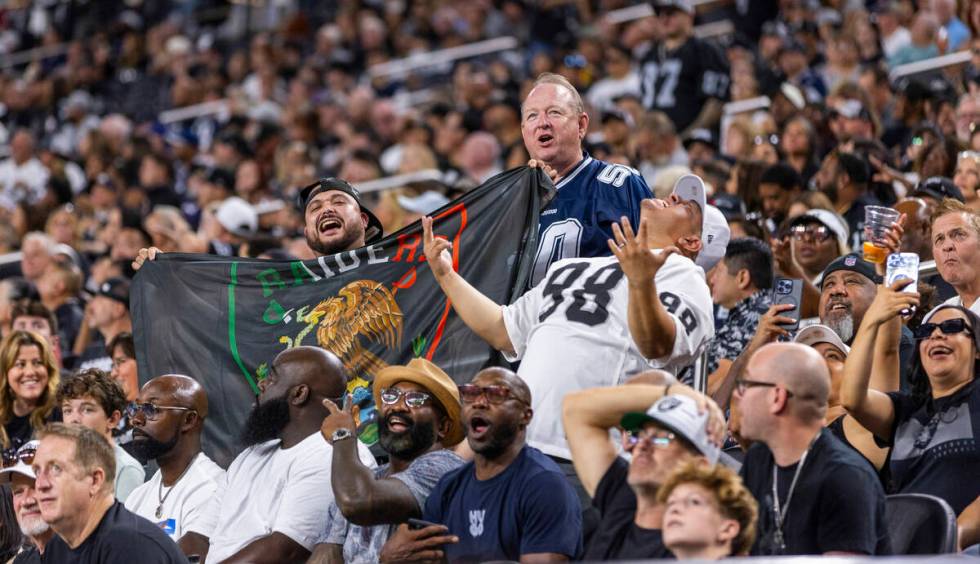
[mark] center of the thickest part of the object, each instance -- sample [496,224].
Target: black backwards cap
[374,231]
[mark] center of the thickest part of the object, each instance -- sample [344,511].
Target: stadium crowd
[699,174]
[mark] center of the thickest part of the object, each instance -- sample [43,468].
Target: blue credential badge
[169,526]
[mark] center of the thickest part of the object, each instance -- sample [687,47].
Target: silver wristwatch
[340,434]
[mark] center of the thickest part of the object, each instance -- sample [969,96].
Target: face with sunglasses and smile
[947,349]
[411,421]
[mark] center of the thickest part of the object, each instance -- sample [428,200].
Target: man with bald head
[592,195]
[510,503]
[168,418]
[816,495]
[273,503]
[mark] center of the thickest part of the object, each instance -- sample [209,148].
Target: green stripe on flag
[232,339]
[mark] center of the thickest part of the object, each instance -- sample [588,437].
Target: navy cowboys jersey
[679,82]
[578,222]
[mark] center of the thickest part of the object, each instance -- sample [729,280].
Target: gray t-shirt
[129,474]
[363,544]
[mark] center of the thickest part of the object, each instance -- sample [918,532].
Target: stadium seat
[920,524]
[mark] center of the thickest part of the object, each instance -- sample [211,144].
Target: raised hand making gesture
[339,418]
[638,261]
[438,251]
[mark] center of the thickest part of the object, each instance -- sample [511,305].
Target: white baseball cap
[425,203]
[831,220]
[814,334]
[20,467]
[238,216]
[715,233]
[680,415]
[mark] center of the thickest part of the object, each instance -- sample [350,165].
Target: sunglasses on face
[493,394]
[389,396]
[150,411]
[818,233]
[948,327]
[24,454]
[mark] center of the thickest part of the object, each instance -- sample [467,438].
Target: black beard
[351,235]
[408,444]
[502,435]
[148,448]
[266,421]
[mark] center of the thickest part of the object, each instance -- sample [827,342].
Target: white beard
[33,527]
[843,326]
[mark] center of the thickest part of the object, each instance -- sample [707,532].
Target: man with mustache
[419,421]
[20,477]
[510,503]
[273,504]
[168,419]
[336,220]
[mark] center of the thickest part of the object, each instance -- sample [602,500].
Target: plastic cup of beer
[877,220]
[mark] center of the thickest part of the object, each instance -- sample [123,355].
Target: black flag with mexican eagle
[222,320]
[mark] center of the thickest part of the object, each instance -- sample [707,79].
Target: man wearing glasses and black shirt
[816,495]
[168,420]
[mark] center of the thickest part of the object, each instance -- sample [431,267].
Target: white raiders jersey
[571,332]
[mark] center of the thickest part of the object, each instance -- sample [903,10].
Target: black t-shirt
[836,427]
[20,431]
[618,537]
[122,537]
[935,449]
[679,82]
[854,217]
[837,505]
[29,555]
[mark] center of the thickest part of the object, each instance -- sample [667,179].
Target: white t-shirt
[22,183]
[268,489]
[958,301]
[582,339]
[185,506]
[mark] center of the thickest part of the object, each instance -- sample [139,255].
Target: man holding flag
[336,220]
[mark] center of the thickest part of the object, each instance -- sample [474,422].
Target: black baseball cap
[854,263]
[373,232]
[115,289]
[686,6]
[221,177]
[938,187]
[699,135]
